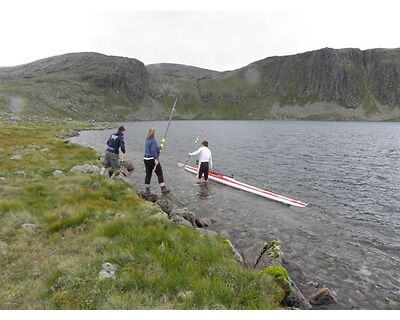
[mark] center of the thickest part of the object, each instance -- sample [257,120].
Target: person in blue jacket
[111,157]
[152,162]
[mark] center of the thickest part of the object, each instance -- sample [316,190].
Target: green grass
[87,220]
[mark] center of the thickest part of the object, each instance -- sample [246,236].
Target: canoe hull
[246,187]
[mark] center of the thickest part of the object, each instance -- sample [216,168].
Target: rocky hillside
[326,84]
[329,84]
[78,85]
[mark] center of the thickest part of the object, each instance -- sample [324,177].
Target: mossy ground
[86,220]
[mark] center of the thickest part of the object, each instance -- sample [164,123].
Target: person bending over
[111,157]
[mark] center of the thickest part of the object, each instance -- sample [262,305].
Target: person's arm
[195,153]
[122,144]
[154,150]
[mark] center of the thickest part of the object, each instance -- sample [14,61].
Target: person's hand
[155,164]
[162,144]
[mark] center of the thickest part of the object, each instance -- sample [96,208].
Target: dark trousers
[149,164]
[203,170]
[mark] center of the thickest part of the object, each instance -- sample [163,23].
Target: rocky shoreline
[300,291]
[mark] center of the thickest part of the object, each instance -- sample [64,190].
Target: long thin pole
[169,121]
[197,140]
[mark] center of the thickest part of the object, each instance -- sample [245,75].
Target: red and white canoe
[245,187]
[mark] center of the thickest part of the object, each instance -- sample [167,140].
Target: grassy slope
[86,220]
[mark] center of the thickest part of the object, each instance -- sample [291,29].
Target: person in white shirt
[205,161]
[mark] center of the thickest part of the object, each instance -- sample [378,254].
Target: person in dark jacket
[111,157]
[152,162]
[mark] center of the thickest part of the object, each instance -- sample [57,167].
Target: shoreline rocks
[259,256]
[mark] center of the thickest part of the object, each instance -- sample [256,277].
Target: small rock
[107,271]
[57,173]
[119,215]
[31,227]
[2,179]
[124,172]
[86,168]
[185,295]
[16,157]
[45,150]
[202,222]
[15,118]
[22,173]
[3,246]
[323,296]
[181,221]
[356,295]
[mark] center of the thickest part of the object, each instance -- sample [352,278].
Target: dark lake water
[347,239]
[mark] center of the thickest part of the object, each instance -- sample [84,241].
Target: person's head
[151,133]
[205,143]
[122,129]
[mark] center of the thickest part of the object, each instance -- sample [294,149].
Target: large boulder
[166,205]
[261,255]
[295,298]
[252,254]
[127,164]
[184,213]
[271,255]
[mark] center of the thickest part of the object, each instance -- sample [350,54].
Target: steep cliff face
[348,78]
[344,84]
[383,74]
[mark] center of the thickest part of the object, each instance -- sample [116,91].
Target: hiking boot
[164,190]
